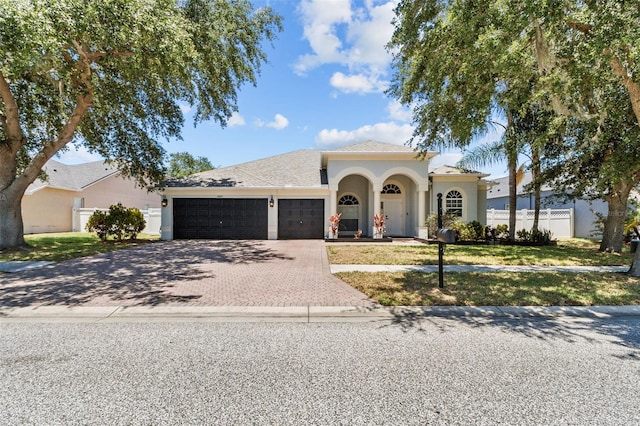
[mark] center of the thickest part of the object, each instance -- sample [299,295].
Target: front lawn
[573,252]
[68,245]
[496,289]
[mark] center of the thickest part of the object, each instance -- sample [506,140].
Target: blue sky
[322,88]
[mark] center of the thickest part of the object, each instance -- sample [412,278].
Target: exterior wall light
[165,202]
[271,202]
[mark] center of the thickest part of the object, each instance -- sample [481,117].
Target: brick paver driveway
[188,273]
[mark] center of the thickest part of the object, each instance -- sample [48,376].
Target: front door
[393,209]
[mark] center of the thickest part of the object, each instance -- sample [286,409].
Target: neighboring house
[584,216]
[47,206]
[292,195]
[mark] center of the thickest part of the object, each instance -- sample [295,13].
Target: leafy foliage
[119,222]
[184,164]
[111,76]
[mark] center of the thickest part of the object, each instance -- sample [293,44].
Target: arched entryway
[349,208]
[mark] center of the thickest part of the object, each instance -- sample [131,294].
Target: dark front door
[300,219]
[220,218]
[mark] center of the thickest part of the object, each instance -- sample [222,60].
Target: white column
[422,230]
[333,202]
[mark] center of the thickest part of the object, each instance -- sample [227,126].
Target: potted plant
[378,226]
[334,220]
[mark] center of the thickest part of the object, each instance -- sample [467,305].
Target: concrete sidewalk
[476,268]
[111,314]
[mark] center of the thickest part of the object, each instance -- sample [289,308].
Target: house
[48,205]
[292,195]
[584,211]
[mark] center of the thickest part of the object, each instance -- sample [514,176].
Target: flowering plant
[378,223]
[358,234]
[334,220]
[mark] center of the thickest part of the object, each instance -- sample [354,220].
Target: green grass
[496,289]
[69,245]
[573,252]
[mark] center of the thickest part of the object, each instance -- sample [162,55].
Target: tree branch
[632,87]
[66,134]
[579,26]
[11,117]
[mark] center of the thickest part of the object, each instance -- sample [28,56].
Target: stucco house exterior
[292,195]
[47,205]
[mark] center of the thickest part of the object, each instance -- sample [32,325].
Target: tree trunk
[535,175]
[11,227]
[613,233]
[634,271]
[513,197]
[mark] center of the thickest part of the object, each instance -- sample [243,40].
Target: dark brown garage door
[300,219]
[220,218]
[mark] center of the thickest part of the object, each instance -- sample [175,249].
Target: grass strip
[574,252]
[496,289]
[57,247]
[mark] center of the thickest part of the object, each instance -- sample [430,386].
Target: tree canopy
[111,75]
[460,63]
[184,164]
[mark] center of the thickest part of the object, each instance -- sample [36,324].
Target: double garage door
[245,218]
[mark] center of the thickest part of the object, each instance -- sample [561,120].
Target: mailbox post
[440,245]
[443,236]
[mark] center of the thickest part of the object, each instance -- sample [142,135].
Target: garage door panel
[220,218]
[300,218]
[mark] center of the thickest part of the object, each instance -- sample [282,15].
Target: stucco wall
[51,210]
[115,190]
[469,191]
[48,210]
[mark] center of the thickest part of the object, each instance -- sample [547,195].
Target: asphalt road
[433,371]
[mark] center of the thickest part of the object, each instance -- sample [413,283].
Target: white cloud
[399,112]
[446,159]
[77,155]
[394,133]
[354,38]
[236,120]
[279,122]
[357,83]
[185,108]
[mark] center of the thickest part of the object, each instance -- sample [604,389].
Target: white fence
[151,216]
[558,221]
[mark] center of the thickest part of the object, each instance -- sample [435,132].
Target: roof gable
[74,177]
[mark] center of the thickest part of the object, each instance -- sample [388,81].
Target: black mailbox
[447,236]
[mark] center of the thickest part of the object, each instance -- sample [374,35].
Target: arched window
[454,203]
[391,188]
[348,200]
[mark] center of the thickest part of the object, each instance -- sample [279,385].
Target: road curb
[299,313]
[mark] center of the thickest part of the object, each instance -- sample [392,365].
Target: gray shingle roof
[72,177]
[296,169]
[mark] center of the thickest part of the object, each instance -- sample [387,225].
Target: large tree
[184,164]
[111,75]
[458,59]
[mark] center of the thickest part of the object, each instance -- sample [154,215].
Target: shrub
[534,236]
[119,222]
[98,223]
[432,222]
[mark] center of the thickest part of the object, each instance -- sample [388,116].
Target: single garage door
[220,218]
[300,219]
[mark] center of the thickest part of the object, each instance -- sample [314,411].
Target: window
[454,203]
[348,200]
[391,188]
